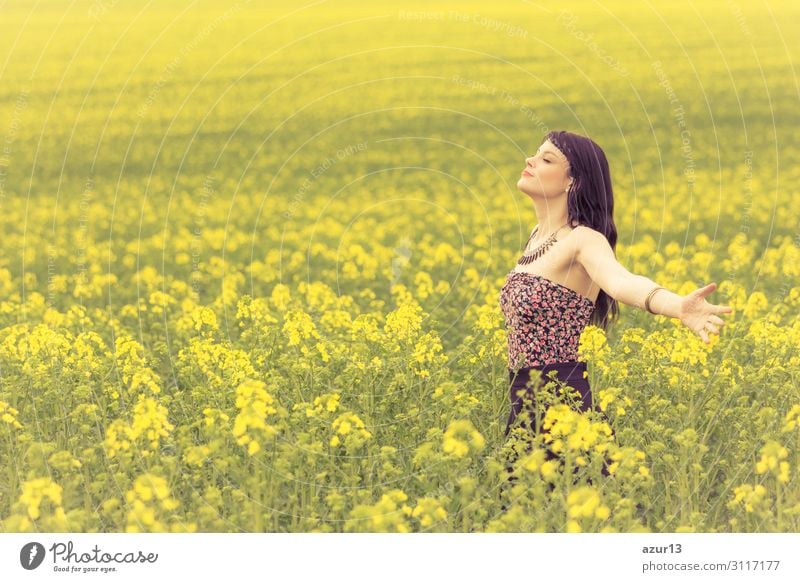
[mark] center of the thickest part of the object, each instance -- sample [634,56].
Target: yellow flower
[254,404]
[323,351]
[322,404]
[280,297]
[791,421]
[204,319]
[8,414]
[196,455]
[582,502]
[548,469]
[424,284]
[150,496]
[783,473]
[756,304]
[387,515]
[404,323]
[63,461]
[428,511]
[461,437]
[594,347]
[160,301]
[532,461]
[149,421]
[753,498]
[607,397]
[425,352]
[299,326]
[352,428]
[130,358]
[771,453]
[37,490]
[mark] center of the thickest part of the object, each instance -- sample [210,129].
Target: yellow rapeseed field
[252,259]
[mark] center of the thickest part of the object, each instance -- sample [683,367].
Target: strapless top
[544,320]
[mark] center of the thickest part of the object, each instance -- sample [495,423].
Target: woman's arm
[597,257]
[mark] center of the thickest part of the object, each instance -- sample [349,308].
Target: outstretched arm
[597,258]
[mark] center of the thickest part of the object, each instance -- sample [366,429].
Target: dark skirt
[570,373]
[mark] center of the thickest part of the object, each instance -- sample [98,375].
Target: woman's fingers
[707,290]
[716,320]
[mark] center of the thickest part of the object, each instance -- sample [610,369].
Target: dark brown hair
[590,201]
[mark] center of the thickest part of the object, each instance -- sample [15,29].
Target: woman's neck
[548,225]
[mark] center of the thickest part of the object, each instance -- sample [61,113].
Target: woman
[569,277]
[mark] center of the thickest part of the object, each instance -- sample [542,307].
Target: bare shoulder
[585,235]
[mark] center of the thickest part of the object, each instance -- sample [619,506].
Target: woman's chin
[523,186]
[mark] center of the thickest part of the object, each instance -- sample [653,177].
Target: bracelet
[649,297]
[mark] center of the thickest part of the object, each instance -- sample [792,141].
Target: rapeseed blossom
[593,347]
[429,511]
[350,428]
[299,327]
[771,454]
[585,502]
[149,501]
[255,404]
[390,514]
[149,425]
[753,498]
[404,323]
[158,359]
[37,490]
[8,414]
[461,438]
[790,422]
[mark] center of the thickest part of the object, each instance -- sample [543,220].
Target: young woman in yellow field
[568,275]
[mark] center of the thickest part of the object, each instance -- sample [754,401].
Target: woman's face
[546,174]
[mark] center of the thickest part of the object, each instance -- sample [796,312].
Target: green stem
[12,473]
[257,498]
[567,473]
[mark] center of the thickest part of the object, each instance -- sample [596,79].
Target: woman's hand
[698,314]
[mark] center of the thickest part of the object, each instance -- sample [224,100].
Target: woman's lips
[525,173]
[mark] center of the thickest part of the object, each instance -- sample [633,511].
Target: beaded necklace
[541,249]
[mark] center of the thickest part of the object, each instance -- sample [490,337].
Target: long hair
[590,201]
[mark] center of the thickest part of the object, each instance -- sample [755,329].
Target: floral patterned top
[544,319]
